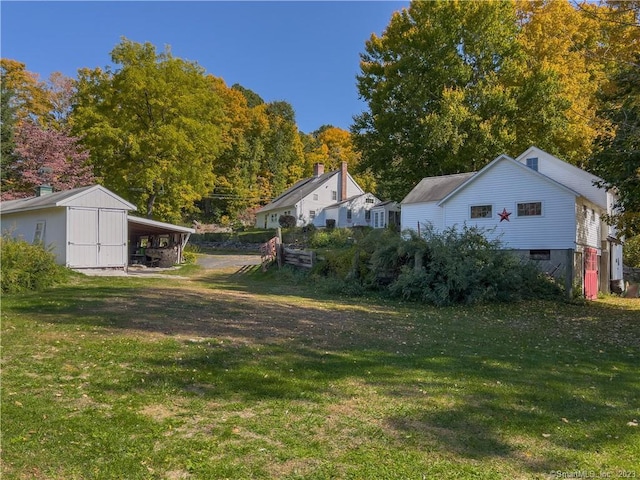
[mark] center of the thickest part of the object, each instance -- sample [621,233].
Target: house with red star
[539,206]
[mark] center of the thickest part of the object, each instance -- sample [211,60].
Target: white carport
[154,243]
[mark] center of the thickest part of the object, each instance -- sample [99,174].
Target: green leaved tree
[154,125]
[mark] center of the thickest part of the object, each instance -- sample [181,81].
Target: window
[315,196]
[530,209]
[367,215]
[312,214]
[334,195]
[532,163]
[369,200]
[481,211]
[540,254]
[38,236]
[349,213]
[375,220]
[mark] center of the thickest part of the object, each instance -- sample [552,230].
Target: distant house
[386,215]
[538,205]
[90,227]
[308,198]
[352,212]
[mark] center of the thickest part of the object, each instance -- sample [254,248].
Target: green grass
[258,376]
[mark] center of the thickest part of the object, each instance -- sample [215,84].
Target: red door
[591,273]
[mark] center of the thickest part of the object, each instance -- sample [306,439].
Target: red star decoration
[504,215]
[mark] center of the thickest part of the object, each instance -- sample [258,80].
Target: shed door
[97,238]
[591,273]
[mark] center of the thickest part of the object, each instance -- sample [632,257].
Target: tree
[431,83]
[7,136]
[46,156]
[331,146]
[154,126]
[30,96]
[618,160]
[450,85]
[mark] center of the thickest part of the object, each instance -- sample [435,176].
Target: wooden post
[569,274]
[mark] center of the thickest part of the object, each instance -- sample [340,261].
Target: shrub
[189,254]
[28,267]
[452,267]
[631,252]
[287,221]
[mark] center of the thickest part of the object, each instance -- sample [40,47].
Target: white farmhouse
[546,209]
[308,199]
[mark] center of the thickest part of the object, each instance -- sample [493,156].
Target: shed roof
[58,199]
[146,226]
[432,189]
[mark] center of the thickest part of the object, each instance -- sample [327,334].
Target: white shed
[84,227]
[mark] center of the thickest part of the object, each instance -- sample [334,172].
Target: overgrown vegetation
[452,267]
[28,267]
[631,252]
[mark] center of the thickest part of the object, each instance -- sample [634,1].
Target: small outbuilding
[84,227]
[90,227]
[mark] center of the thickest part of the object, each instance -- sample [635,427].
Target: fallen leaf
[546,435]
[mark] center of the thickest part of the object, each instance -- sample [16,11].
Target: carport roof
[145,226]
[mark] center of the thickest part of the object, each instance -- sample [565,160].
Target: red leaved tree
[46,157]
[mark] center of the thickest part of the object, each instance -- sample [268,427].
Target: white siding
[23,225]
[412,214]
[589,225]
[97,198]
[506,185]
[567,174]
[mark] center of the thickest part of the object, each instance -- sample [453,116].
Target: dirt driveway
[223,261]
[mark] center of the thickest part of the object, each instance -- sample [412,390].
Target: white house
[538,205]
[90,227]
[386,215]
[307,199]
[352,212]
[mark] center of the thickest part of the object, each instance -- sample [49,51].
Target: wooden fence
[273,250]
[299,258]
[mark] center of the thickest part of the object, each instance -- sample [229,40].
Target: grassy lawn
[256,377]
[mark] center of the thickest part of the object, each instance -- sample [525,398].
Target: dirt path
[223,261]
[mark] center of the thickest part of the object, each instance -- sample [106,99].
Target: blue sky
[306,53]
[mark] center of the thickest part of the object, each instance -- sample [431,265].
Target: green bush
[189,254]
[631,252]
[28,267]
[451,267]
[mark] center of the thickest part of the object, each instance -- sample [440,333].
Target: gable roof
[582,181]
[351,199]
[431,189]
[297,192]
[58,199]
[505,158]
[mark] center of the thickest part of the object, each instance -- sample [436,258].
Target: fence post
[569,273]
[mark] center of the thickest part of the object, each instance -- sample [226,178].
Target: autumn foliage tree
[153,124]
[450,85]
[45,156]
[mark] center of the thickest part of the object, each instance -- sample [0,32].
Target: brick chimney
[318,169]
[343,181]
